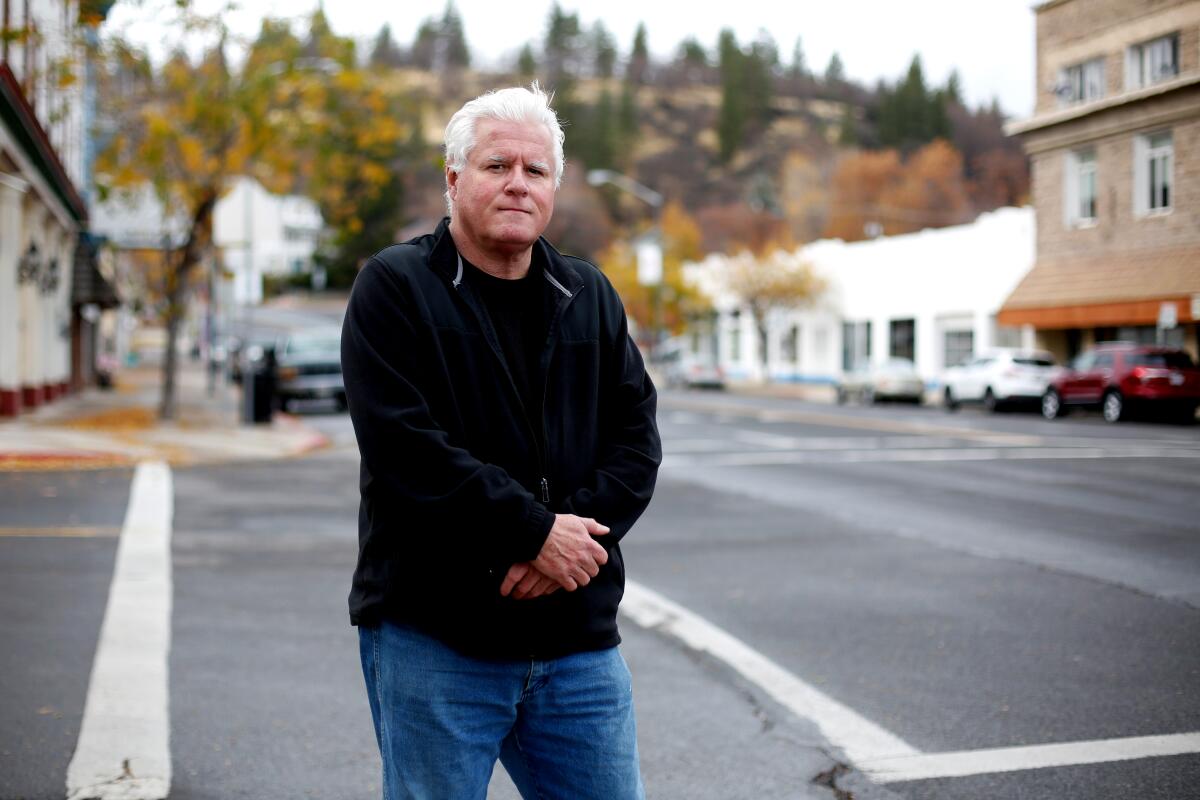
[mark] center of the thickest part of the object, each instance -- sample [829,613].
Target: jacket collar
[558,270]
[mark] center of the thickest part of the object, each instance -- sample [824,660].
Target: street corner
[62,461]
[299,438]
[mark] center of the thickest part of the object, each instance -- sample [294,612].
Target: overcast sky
[990,42]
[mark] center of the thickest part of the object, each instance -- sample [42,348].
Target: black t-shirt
[516,308]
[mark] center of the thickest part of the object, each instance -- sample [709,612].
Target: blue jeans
[563,727]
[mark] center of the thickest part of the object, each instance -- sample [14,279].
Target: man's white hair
[515,104]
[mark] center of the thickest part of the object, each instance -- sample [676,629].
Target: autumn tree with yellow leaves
[678,301]
[298,115]
[774,278]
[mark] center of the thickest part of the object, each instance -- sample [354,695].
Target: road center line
[1011,759]
[857,736]
[123,749]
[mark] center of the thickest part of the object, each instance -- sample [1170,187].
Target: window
[1153,173]
[1080,83]
[902,339]
[791,345]
[958,347]
[735,337]
[856,344]
[1080,189]
[1152,61]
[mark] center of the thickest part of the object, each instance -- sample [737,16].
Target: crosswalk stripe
[123,750]
[1012,759]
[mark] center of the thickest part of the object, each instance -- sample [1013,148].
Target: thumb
[594,528]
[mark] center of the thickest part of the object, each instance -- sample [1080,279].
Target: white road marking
[929,454]
[843,727]
[880,754]
[1011,759]
[123,749]
[731,411]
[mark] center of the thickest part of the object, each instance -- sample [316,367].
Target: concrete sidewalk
[106,428]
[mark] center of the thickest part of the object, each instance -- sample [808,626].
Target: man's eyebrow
[497,159]
[542,165]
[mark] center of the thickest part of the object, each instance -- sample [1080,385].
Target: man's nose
[517,183]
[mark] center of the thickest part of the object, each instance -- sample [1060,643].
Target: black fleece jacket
[455,485]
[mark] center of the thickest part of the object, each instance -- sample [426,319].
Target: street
[963,582]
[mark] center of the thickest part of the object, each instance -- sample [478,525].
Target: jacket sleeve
[443,493]
[630,451]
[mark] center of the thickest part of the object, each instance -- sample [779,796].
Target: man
[508,440]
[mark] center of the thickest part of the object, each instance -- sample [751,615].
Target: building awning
[18,116]
[88,285]
[1112,290]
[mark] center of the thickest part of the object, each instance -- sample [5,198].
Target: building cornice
[1062,116]
[1048,4]
[19,117]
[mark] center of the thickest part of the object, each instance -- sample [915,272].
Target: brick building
[1114,145]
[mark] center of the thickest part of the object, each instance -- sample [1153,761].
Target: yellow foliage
[678,301]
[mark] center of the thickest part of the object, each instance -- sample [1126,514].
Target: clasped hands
[569,559]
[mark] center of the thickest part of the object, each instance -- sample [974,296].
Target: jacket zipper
[544,483]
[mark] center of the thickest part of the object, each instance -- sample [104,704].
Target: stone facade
[1110,274]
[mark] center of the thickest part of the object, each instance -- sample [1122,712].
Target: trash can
[258,389]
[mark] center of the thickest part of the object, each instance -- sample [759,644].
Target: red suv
[1120,376]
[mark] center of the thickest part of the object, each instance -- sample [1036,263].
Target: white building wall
[35,345]
[944,279]
[263,234]
[12,193]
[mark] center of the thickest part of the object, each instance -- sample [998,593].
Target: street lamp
[648,249]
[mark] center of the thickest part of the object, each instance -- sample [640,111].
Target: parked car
[998,377]
[683,369]
[1120,377]
[894,379]
[310,367]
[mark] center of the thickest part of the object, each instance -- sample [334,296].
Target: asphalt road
[967,581]
[58,540]
[964,581]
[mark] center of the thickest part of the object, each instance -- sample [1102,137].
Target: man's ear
[451,183]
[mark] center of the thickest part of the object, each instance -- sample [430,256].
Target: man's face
[504,195]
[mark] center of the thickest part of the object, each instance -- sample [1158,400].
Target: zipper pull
[545,491]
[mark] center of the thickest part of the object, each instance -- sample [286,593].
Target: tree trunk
[760,327]
[167,406]
[179,266]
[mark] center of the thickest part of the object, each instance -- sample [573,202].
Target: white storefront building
[930,296]
[47,327]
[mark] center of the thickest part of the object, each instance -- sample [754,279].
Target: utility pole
[649,249]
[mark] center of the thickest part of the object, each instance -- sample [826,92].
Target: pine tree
[639,57]
[526,63]
[835,72]
[731,117]
[454,40]
[561,47]
[384,52]
[692,53]
[798,69]
[604,51]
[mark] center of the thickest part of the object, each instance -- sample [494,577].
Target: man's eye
[495,167]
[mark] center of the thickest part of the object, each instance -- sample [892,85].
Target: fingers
[534,584]
[593,527]
[516,573]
